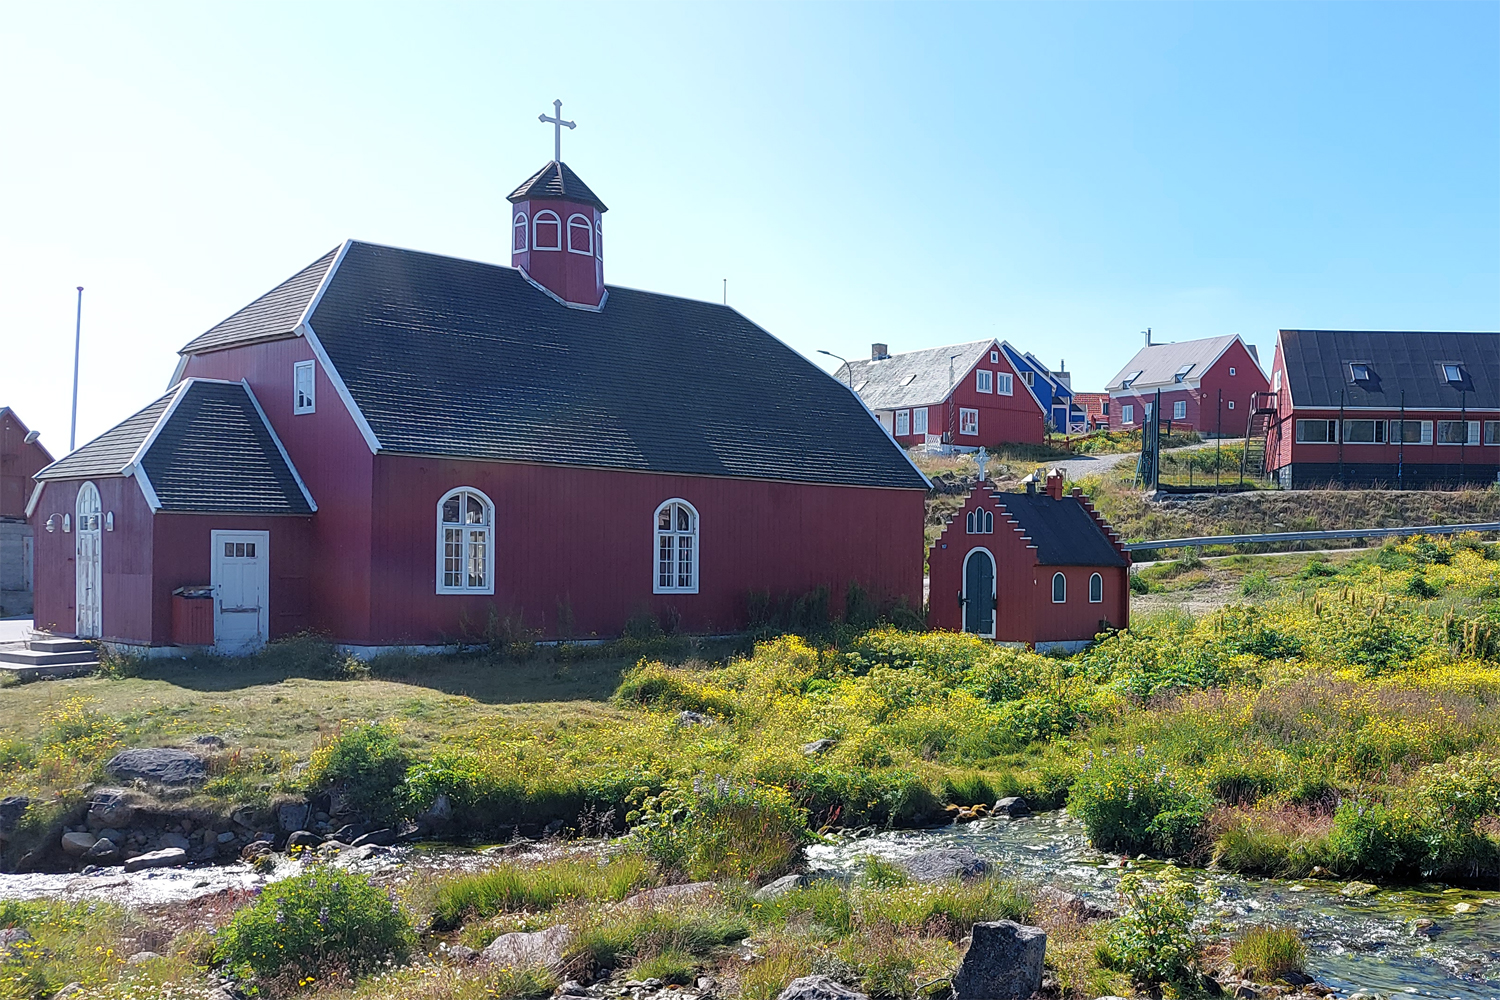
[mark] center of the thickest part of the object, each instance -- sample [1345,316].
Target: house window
[304,387]
[994,357]
[1104,408]
[1359,372]
[1182,373]
[1096,589]
[1492,432]
[980,522]
[1059,589]
[676,548]
[1453,374]
[1003,383]
[984,380]
[1179,410]
[1411,431]
[968,421]
[1364,431]
[903,423]
[1317,431]
[919,420]
[466,543]
[1127,414]
[518,231]
[239,550]
[1231,404]
[1231,371]
[1276,380]
[1458,432]
[1029,378]
[580,235]
[546,231]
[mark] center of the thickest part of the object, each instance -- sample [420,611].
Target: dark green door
[979,593]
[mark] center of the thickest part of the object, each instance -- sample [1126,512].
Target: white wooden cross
[558,125]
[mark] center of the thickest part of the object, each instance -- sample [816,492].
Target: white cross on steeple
[558,125]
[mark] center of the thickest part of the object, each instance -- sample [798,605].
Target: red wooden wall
[1013,419]
[573,277]
[18,463]
[1202,399]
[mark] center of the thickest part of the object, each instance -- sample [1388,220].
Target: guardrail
[1310,536]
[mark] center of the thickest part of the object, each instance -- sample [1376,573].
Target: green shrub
[1256,584]
[642,933]
[511,887]
[323,920]
[825,903]
[673,967]
[1373,839]
[674,689]
[1319,568]
[367,766]
[1268,953]
[1139,584]
[1153,938]
[1420,586]
[715,828]
[1134,802]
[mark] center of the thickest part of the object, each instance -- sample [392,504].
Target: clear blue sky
[1060,175]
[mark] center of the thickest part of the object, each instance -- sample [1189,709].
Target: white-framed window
[1127,414]
[1359,371]
[1059,589]
[903,423]
[580,235]
[1410,432]
[676,548]
[1492,432]
[518,233]
[909,379]
[1276,380]
[304,387]
[1104,408]
[984,380]
[546,231]
[919,420]
[968,421]
[1029,378]
[1231,371]
[1003,384]
[1458,432]
[1179,409]
[1317,431]
[1364,431]
[1231,404]
[980,522]
[1096,589]
[465,542]
[1453,374]
[994,357]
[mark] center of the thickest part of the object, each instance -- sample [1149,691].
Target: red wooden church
[1041,569]
[393,448]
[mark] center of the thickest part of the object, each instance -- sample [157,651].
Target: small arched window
[980,522]
[1059,589]
[580,235]
[546,231]
[518,242]
[676,548]
[1096,589]
[465,543]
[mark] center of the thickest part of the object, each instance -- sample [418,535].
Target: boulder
[207,741]
[171,766]
[292,816]
[72,989]
[672,894]
[1004,961]
[114,836]
[141,958]
[227,837]
[817,747]
[348,833]
[12,808]
[1011,806]
[818,988]
[110,808]
[10,938]
[1077,907]
[169,858]
[256,849]
[462,954]
[76,845]
[437,814]
[333,847]
[781,887]
[173,839]
[942,863]
[1358,889]
[303,840]
[521,948]
[380,838]
[690,718]
[104,852]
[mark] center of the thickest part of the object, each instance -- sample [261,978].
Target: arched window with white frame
[546,231]
[1096,589]
[1059,589]
[676,548]
[580,235]
[518,241]
[465,542]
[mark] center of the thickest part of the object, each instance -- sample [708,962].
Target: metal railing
[1309,536]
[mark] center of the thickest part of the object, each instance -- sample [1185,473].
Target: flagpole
[77,341]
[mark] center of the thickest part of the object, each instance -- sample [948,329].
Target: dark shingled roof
[556,180]
[273,315]
[1317,369]
[1062,530]
[469,360]
[213,452]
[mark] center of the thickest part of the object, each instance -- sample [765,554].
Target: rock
[114,836]
[520,948]
[169,858]
[158,765]
[104,852]
[303,840]
[672,894]
[348,833]
[12,808]
[942,863]
[243,816]
[437,815]
[781,887]
[1464,907]
[1359,889]
[333,847]
[72,989]
[10,938]
[227,837]
[292,816]
[380,838]
[818,988]
[1246,991]
[256,849]
[1004,960]
[689,718]
[206,740]
[1296,978]
[110,807]
[141,957]
[553,827]
[76,845]
[1426,928]
[462,953]
[172,839]
[1077,907]
[817,747]
[364,852]
[1011,806]
[572,988]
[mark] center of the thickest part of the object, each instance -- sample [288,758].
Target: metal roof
[1062,530]
[915,378]
[1160,364]
[1317,369]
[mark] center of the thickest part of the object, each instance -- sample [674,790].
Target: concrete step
[35,658]
[36,672]
[47,644]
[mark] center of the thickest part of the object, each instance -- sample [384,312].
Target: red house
[1041,569]
[963,394]
[21,457]
[1394,410]
[1095,407]
[402,449]
[1193,377]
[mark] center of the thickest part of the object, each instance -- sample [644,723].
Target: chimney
[879,352]
[1030,483]
[1147,335]
[1062,374]
[1055,484]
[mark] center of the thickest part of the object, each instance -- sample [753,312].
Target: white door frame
[88,538]
[261,538]
[994,593]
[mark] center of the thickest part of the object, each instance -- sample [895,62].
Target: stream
[1356,945]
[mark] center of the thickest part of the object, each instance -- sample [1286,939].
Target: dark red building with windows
[1206,385]
[402,449]
[1038,568]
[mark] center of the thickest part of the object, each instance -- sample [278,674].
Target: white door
[242,585]
[87,598]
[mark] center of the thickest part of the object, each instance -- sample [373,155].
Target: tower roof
[557,180]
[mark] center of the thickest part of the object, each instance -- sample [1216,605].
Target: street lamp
[848,371]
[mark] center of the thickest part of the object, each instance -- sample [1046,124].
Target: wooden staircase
[46,656]
[1257,435]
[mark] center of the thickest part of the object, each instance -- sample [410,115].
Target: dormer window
[1359,372]
[859,386]
[546,231]
[1182,373]
[580,235]
[909,379]
[1453,374]
[1129,380]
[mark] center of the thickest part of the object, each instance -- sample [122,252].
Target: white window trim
[1179,404]
[903,423]
[520,225]
[1100,578]
[1231,403]
[656,533]
[1297,430]
[1424,436]
[994,357]
[984,380]
[1383,425]
[967,417]
[489,555]
[1064,579]
[1231,370]
[1127,413]
[551,218]
[1473,438]
[587,225]
[311,367]
[1485,429]
[919,420]
[1276,380]
[1004,384]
